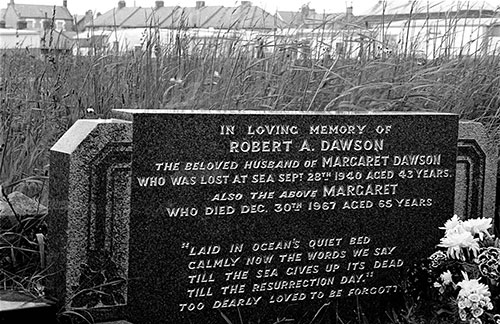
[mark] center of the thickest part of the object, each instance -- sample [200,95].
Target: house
[2,18]
[244,16]
[25,26]
[308,18]
[35,17]
[321,35]
[430,29]
[222,27]
[130,27]
[81,21]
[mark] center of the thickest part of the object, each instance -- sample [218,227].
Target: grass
[43,95]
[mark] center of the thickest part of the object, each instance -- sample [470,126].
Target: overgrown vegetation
[42,95]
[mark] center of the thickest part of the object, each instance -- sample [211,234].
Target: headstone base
[19,308]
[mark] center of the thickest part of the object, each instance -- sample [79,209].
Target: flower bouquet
[465,271]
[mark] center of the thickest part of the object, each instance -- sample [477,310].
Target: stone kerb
[88,215]
[476,175]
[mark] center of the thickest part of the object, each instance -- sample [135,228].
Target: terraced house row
[422,28]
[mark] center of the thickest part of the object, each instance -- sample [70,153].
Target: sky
[77,7]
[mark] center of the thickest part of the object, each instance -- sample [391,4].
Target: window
[494,31]
[339,48]
[60,24]
[30,23]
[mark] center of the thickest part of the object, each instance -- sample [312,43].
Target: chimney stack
[246,3]
[65,3]
[305,11]
[200,4]
[348,11]
[121,4]
[159,4]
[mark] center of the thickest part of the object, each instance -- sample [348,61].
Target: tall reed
[43,96]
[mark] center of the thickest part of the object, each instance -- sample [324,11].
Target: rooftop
[394,7]
[41,11]
[201,16]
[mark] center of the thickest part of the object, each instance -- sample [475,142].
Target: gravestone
[18,207]
[477,158]
[264,216]
[88,217]
[20,308]
[475,176]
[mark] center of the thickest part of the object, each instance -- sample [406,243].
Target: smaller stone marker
[19,308]
[18,207]
[477,159]
[88,217]
[261,216]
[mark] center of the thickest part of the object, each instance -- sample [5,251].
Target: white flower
[476,312]
[176,80]
[473,286]
[478,226]
[463,314]
[440,286]
[474,298]
[446,277]
[456,241]
[453,225]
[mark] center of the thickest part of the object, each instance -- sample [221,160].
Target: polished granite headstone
[89,194]
[265,216]
[476,178]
